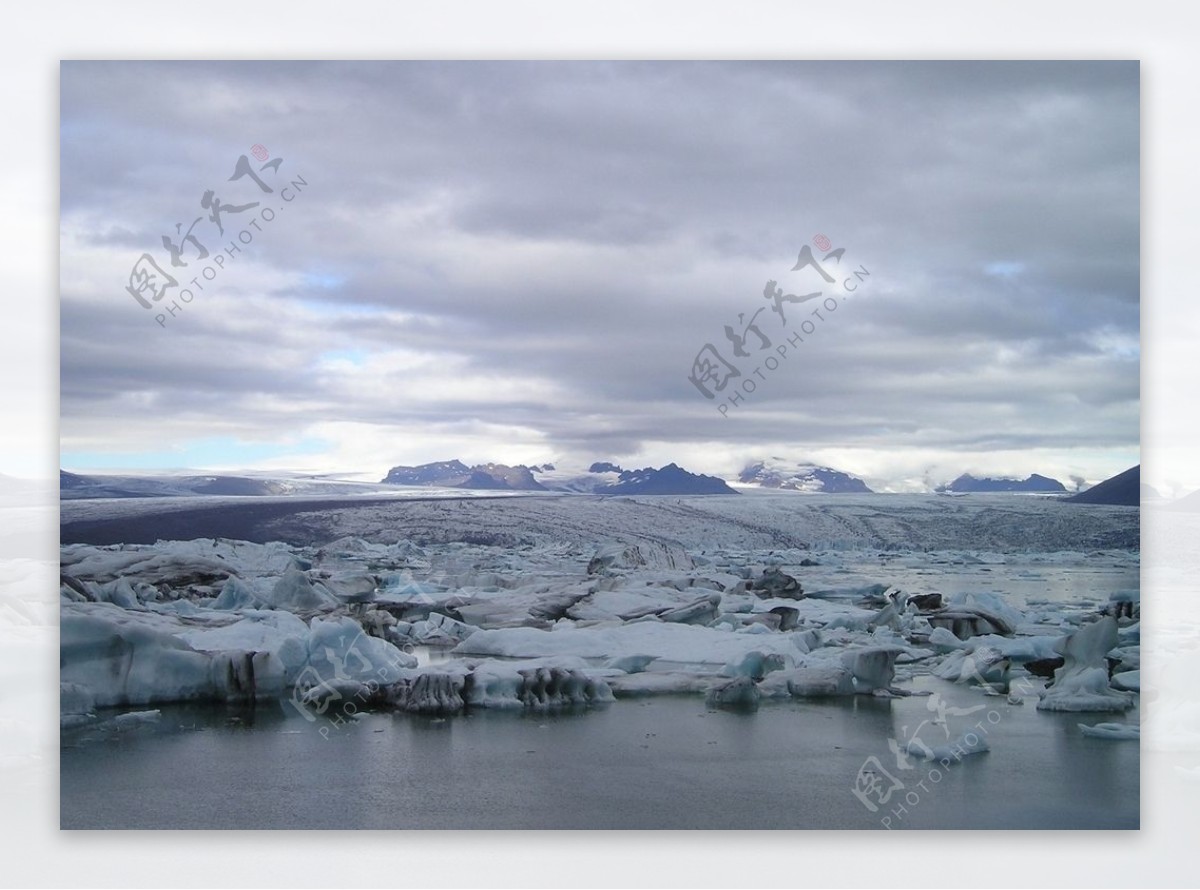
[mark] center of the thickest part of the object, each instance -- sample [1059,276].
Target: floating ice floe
[829,673]
[974,614]
[1112,731]
[118,657]
[1082,684]
[968,743]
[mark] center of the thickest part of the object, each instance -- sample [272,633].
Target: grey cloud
[652,201]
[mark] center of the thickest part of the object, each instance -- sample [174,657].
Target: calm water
[651,763]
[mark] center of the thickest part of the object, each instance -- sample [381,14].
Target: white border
[1162,35]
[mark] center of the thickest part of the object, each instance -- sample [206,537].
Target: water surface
[651,763]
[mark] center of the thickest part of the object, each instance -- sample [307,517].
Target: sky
[523,263]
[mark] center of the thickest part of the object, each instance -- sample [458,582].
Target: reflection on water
[649,763]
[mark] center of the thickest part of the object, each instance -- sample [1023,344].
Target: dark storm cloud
[569,235]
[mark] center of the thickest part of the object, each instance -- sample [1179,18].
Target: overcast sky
[519,262]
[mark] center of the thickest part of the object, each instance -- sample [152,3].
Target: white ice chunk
[133,719]
[439,628]
[984,665]
[872,668]
[630,664]
[966,744]
[338,649]
[683,643]
[128,658]
[1112,731]
[1081,684]
[540,685]
[944,641]
[660,683]
[811,682]
[238,594]
[756,665]
[295,592]
[1129,681]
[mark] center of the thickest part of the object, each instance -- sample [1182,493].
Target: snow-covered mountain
[1035,483]
[577,481]
[777,473]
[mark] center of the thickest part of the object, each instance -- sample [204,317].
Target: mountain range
[602,478]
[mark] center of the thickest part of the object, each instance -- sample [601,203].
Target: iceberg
[122,660]
[811,682]
[871,668]
[1082,684]
[428,693]
[114,657]
[296,593]
[535,685]
[756,665]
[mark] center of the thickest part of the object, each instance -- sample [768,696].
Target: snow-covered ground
[754,519]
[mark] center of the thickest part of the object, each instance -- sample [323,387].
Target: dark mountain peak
[1035,483]
[1121,490]
[602,466]
[456,474]
[671,479]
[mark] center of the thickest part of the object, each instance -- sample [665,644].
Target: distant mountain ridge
[456,474]
[801,477]
[73,486]
[671,479]
[1035,483]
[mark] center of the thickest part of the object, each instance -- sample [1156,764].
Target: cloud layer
[520,261]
